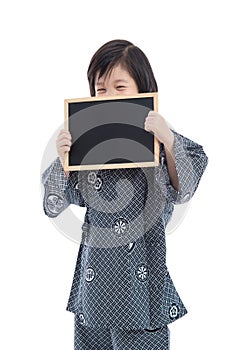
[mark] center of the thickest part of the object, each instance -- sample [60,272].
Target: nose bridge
[111,91]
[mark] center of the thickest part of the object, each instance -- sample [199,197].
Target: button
[173,311]
[120,226]
[142,272]
[98,183]
[92,177]
[90,274]
[81,318]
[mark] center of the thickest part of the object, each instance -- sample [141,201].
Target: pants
[86,338]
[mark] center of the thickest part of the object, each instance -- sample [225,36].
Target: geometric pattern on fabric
[121,279]
[86,338]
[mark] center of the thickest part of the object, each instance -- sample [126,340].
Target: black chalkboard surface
[108,132]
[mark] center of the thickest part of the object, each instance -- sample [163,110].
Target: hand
[157,124]
[63,144]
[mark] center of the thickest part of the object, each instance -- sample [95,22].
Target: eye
[120,87]
[100,90]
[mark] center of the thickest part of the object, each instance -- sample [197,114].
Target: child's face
[119,82]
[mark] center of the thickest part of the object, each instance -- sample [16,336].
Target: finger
[147,127]
[150,124]
[151,118]
[66,133]
[63,137]
[64,142]
[152,113]
[64,149]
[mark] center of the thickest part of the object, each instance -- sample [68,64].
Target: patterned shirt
[121,278]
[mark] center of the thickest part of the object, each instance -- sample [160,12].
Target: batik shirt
[121,278]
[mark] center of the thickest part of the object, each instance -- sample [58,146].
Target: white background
[46,47]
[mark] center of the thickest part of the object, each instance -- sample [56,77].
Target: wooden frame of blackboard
[67,103]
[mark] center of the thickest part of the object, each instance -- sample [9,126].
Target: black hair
[130,57]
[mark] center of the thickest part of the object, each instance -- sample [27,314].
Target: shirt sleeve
[60,192]
[190,161]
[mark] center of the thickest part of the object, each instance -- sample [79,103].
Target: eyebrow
[116,81]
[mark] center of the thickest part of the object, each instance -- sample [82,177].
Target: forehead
[116,73]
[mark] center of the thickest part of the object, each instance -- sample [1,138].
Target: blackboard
[108,132]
